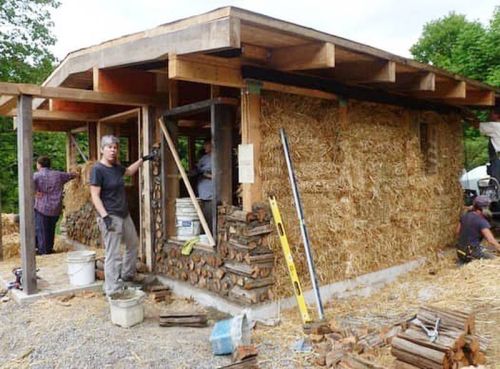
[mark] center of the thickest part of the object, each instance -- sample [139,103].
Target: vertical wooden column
[93,144]
[171,173]
[26,192]
[222,169]
[146,218]
[251,134]
[70,151]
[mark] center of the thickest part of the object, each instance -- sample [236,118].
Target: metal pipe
[303,227]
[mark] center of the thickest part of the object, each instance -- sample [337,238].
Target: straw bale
[368,201]
[9,224]
[11,246]
[77,191]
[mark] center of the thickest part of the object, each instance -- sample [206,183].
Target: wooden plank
[255,53]
[366,72]
[222,117]
[250,134]
[54,126]
[61,115]
[147,221]
[125,80]
[271,86]
[26,193]
[302,57]
[476,98]
[198,107]
[121,117]
[205,69]
[75,94]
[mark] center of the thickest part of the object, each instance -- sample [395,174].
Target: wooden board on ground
[172,319]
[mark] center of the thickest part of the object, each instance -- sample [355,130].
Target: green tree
[469,49]
[25,39]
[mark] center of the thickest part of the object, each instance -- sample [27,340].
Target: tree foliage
[25,39]
[470,49]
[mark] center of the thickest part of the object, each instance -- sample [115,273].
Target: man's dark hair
[44,161]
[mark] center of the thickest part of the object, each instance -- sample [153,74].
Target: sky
[391,25]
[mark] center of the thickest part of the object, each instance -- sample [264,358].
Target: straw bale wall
[368,199]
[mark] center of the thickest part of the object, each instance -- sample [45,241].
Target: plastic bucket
[81,267]
[126,308]
[229,334]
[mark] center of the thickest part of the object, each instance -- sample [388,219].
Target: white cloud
[387,24]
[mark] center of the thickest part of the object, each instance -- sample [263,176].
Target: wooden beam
[255,53]
[366,72]
[146,218]
[303,57]
[124,81]
[205,69]
[420,81]
[121,117]
[445,90]
[54,126]
[476,98]
[270,86]
[7,103]
[61,115]
[26,193]
[74,94]
[93,144]
[251,135]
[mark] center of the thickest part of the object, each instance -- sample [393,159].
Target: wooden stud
[251,134]
[7,103]
[26,193]
[93,144]
[303,57]
[146,220]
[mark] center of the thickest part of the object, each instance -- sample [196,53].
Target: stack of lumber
[81,226]
[240,268]
[160,293]
[173,319]
[244,357]
[341,348]
[456,345]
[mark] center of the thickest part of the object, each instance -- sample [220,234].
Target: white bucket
[81,267]
[127,308]
[187,221]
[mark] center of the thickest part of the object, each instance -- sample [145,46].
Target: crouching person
[107,189]
[471,230]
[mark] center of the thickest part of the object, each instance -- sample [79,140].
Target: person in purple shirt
[49,186]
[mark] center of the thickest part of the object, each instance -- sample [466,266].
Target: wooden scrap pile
[173,319]
[456,344]
[244,357]
[341,348]
[160,293]
[240,269]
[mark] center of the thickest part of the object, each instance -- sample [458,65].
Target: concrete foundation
[363,285]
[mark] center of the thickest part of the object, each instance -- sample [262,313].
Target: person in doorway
[203,171]
[49,185]
[471,230]
[107,190]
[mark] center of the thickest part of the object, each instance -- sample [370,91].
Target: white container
[187,222]
[81,267]
[127,308]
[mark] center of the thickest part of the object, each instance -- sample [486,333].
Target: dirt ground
[79,334]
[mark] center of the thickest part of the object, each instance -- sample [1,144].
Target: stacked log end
[240,268]
[456,344]
[81,226]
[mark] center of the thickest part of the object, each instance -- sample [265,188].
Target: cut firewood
[418,355]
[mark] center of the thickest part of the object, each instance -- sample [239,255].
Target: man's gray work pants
[114,267]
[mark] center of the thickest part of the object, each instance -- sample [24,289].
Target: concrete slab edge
[363,285]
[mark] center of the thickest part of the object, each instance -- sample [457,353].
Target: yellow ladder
[301,302]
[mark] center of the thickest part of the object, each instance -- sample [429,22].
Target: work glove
[108,223]
[150,156]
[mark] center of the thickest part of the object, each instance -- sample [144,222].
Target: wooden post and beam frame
[26,192]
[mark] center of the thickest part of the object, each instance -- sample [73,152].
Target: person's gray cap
[482,201]
[109,140]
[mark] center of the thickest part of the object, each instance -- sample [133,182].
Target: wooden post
[26,192]
[146,218]
[250,134]
[93,144]
[171,173]
[221,127]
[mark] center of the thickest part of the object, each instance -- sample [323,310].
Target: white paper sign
[245,163]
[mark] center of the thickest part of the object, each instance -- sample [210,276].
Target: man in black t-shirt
[473,227]
[107,189]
